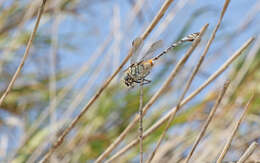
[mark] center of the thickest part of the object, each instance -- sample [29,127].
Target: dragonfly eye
[127,80]
[126,83]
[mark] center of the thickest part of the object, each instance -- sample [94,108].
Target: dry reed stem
[191,79]
[179,101]
[209,119]
[224,151]
[157,18]
[53,62]
[137,8]
[141,122]
[163,87]
[26,53]
[106,83]
[243,25]
[172,143]
[243,70]
[225,86]
[14,43]
[187,99]
[248,152]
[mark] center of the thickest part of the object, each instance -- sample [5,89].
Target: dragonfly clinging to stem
[138,71]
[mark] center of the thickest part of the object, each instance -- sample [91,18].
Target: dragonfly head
[128,80]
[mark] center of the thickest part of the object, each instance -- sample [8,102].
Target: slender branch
[186,100]
[248,152]
[26,53]
[224,151]
[106,83]
[209,119]
[141,122]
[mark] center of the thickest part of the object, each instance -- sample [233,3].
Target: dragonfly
[137,72]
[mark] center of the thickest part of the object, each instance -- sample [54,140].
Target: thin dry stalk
[186,100]
[26,53]
[243,25]
[157,18]
[137,8]
[178,106]
[190,80]
[248,152]
[224,151]
[95,97]
[53,61]
[172,143]
[163,87]
[209,119]
[141,122]
[243,70]
[170,16]
[15,43]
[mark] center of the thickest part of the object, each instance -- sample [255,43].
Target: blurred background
[80,43]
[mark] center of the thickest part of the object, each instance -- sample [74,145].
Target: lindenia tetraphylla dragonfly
[138,71]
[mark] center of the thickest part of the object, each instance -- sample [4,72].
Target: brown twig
[141,122]
[209,119]
[186,100]
[248,152]
[26,53]
[106,83]
[224,151]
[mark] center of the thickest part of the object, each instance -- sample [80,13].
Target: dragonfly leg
[145,81]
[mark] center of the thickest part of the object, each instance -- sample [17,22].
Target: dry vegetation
[62,98]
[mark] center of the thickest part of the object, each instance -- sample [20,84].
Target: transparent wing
[155,46]
[137,45]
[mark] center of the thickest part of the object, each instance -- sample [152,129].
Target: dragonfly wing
[137,45]
[155,46]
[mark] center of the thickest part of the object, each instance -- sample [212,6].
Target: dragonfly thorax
[136,73]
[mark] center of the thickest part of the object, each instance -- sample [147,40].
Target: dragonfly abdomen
[140,71]
[190,38]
